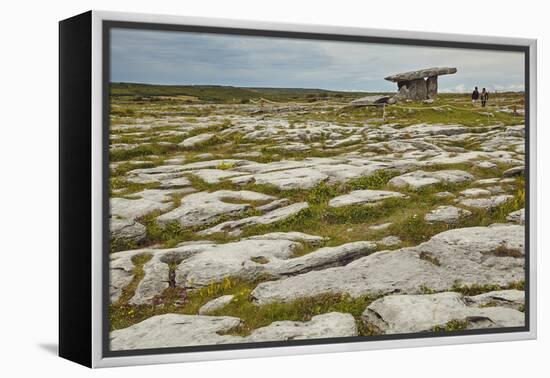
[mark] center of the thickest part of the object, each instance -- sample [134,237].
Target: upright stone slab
[431,84]
[418,90]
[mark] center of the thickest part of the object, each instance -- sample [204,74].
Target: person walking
[484,97]
[475,96]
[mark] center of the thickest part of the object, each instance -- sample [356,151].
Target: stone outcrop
[362,197]
[175,330]
[446,214]
[215,304]
[198,265]
[421,313]
[466,256]
[419,179]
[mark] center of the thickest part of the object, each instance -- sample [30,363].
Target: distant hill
[219,93]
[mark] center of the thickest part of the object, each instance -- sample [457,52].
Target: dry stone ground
[249,222]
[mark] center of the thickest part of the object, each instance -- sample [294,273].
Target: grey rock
[121,270]
[135,208]
[485,164]
[320,259]
[312,240]
[421,74]
[496,189]
[419,179]
[204,156]
[176,183]
[426,129]
[203,208]
[490,181]
[270,217]
[382,226]
[127,229]
[370,100]
[446,214]
[390,241]
[420,313]
[517,216]
[417,89]
[215,176]
[273,205]
[465,256]
[431,84]
[475,192]
[515,171]
[361,197]
[300,178]
[333,324]
[160,174]
[504,298]
[196,140]
[175,330]
[444,194]
[215,304]
[486,203]
[199,265]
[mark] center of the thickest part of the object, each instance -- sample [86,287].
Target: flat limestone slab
[203,208]
[127,229]
[175,330]
[361,197]
[135,208]
[235,227]
[421,74]
[419,179]
[517,216]
[199,265]
[196,140]
[446,214]
[420,313]
[486,203]
[215,304]
[370,100]
[466,256]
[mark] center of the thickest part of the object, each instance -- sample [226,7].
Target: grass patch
[429,258]
[480,289]
[128,292]
[141,151]
[123,315]
[503,251]
[453,325]
[299,310]
[225,166]
[121,244]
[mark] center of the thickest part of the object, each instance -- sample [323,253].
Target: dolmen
[419,85]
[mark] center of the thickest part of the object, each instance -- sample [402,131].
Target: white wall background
[28,217]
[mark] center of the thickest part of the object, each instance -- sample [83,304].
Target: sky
[184,58]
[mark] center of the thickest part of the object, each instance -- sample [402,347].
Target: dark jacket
[475,94]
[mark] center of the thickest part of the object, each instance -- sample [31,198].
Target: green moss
[138,273]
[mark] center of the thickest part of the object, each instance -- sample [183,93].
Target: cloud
[164,57]
[460,88]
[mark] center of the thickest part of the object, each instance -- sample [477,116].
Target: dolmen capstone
[419,85]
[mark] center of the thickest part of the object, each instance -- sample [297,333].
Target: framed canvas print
[232,189]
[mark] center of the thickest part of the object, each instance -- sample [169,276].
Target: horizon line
[303,88]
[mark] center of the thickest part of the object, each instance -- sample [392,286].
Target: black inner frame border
[107,25]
